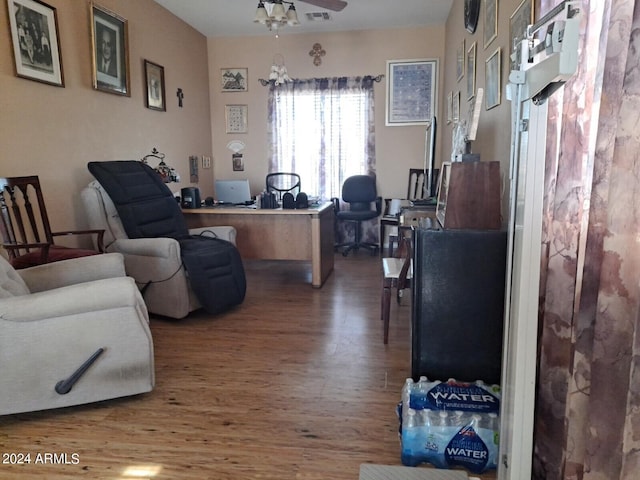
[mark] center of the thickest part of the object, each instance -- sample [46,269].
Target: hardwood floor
[293,384]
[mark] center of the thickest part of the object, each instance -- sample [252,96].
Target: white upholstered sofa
[155,263]
[57,316]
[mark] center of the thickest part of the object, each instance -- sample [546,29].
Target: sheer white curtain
[323,130]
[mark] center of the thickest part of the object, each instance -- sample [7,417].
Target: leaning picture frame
[110,51]
[154,80]
[36,42]
[411,91]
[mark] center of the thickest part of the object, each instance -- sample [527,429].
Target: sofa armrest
[73,271]
[227,233]
[82,298]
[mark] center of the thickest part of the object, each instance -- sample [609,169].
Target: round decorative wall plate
[471,14]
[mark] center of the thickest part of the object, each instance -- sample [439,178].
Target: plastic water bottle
[407,390]
[411,420]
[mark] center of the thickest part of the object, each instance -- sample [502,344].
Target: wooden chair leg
[386,306]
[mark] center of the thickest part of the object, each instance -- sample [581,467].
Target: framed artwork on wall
[460,55]
[110,51]
[234,79]
[236,118]
[36,44]
[493,74]
[456,107]
[411,91]
[449,107]
[471,71]
[523,16]
[490,21]
[154,80]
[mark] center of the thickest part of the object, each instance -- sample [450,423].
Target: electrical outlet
[206,162]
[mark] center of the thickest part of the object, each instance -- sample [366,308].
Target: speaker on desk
[190,197]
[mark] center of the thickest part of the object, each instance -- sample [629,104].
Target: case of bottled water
[450,424]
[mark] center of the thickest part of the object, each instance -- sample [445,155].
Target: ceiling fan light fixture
[261,14]
[292,16]
[278,13]
[272,14]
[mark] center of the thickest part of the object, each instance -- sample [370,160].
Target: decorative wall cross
[317,52]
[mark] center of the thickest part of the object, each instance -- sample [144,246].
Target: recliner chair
[155,263]
[360,192]
[73,332]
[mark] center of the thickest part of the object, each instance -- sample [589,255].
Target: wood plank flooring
[293,384]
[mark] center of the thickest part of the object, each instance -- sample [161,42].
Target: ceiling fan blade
[335,5]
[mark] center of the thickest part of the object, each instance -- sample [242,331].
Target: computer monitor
[430,157]
[233,191]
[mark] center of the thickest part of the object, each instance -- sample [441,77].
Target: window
[323,130]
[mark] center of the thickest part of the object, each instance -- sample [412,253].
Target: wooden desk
[277,234]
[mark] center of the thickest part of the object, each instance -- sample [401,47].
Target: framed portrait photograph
[490,21]
[36,44]
[236,118]
[110,51]
[471,71]
[234,79]
[493,74]
[154,80]
[460,56]
[411,91]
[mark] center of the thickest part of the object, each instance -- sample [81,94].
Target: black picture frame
[36,42]
[110,51]
[154,81]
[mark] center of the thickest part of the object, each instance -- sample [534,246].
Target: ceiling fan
[335,5]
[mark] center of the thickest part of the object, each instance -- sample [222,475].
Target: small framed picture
[492,73]
[471,71]
[110,49]
[234,79]
[449,107]
[236,118]
[490,21]
[237,162]
[460,53]
[36,44]
[154,80]
[455,108]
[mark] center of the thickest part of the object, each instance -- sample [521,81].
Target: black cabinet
[458,304]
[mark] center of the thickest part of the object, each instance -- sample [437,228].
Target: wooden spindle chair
[25,229]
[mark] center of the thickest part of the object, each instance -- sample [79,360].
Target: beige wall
[347,53]
[53,132]
[494,131]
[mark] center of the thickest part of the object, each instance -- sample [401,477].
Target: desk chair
[25,228]
[359,191]
[397,272]
[281,183]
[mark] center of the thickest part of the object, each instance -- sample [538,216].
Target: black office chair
[281,183]
[359,192]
